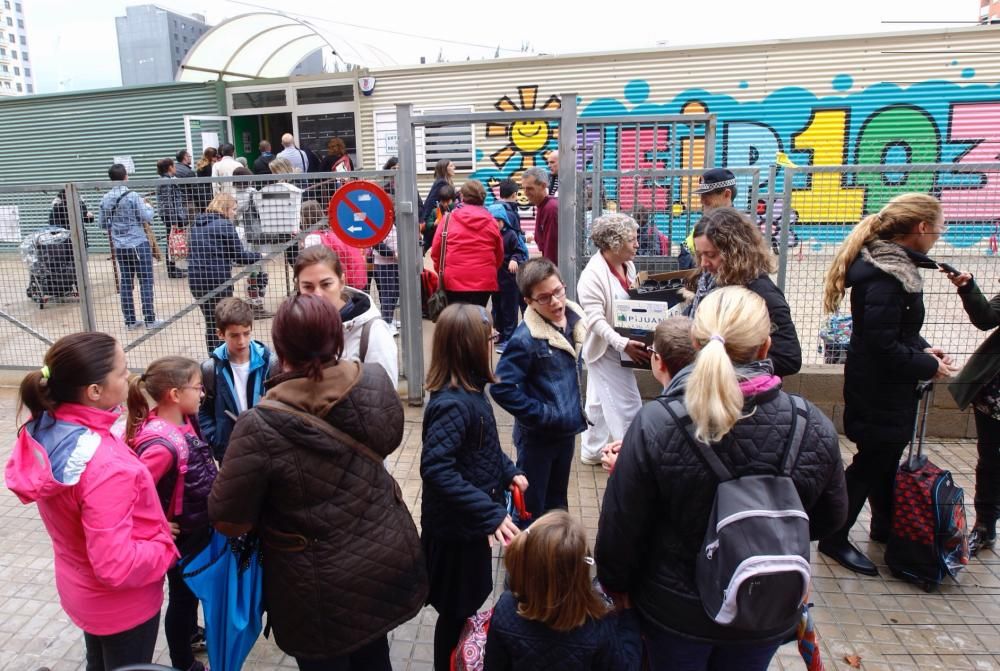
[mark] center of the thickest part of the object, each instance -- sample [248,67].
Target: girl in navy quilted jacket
[168,441]
[465,474]
[552,618]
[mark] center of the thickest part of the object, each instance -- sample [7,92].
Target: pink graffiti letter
[978,123]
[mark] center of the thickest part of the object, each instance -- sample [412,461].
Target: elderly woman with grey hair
[612,393]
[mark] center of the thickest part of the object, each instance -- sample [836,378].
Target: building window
[6,85]
[24,40]
[18,5]
[10,21]
[6,4]
[31,89]
[27,72]
[13,54]
[177,50]
[4,68]
[20,23]
[17,71]
[20,89]
[3,52]
[13,40]
[24,56]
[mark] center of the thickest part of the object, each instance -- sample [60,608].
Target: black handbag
[438,301]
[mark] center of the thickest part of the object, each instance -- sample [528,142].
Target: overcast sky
[73,45]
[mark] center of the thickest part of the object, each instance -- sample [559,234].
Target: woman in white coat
[612,393]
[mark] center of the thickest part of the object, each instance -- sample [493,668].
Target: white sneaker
[590,461]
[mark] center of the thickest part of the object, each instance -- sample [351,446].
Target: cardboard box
[637,319]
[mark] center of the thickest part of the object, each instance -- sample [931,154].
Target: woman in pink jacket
[474,249]
[112,543]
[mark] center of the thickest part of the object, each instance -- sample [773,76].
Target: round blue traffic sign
[361,214]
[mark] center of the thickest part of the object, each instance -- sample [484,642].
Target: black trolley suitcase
[929,538]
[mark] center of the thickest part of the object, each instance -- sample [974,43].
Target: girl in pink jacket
[112,543]
[168,441]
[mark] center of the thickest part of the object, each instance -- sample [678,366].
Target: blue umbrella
[226,576]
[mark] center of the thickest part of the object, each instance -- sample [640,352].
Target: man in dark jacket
[260,166]
[172,207]
[657,504]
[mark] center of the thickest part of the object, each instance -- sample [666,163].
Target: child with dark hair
[234,374]
[515,253]
[551,618]
[112,543]
[446,196]
[671,353]
[464,473]
[168,441]
[539,384]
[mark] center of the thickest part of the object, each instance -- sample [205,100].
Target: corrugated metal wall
[775,86]
[54,138]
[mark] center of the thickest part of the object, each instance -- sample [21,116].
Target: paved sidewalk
[887,623]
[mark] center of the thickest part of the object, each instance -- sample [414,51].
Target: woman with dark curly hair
[731,252]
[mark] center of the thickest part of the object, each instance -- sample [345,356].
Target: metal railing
[63,272]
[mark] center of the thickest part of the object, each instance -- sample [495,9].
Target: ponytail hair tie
[716,336]
[46,373]
[142,378]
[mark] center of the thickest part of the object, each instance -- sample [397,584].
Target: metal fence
[67,272]
[818,206]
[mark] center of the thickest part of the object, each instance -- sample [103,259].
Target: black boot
[836,546]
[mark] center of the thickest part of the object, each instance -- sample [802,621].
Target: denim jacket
[539,375]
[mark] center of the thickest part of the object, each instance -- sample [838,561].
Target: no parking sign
[361,214]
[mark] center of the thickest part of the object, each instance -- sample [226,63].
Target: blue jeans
[136,262]
[668,651]
[506,302]
[546,460]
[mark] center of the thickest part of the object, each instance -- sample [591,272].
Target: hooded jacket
[112,543]
[214,248]
[886,357]
[219,405]
[539,375]
[474,251]
[381,346]
[659,498]
[342,558]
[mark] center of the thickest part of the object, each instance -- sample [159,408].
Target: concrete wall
[824,386]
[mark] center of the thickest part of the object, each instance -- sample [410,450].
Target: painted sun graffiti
[527,138]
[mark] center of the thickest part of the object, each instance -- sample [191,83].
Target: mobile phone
[951,270]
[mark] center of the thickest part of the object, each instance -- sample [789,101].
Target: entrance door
[206,131]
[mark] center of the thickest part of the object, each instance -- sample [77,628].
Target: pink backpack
[156,431]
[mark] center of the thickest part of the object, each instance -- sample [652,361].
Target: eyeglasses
[545,299]
[199,387]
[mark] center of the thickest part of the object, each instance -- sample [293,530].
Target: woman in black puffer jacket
[660,496]
[464,472]
[887,356]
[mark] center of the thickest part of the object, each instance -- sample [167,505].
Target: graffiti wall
[935,121]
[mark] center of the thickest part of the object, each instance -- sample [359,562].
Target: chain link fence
[819,206]
[142,260]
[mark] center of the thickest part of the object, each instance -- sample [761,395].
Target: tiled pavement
[888,624]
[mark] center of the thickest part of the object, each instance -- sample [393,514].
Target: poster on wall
[10,223]
[209,139]
[125,161]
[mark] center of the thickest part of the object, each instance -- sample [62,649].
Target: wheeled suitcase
[928,540]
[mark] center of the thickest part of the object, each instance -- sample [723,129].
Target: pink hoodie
[99,504]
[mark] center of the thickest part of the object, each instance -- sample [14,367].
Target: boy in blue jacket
[515,253]
[539,385]
[233,376]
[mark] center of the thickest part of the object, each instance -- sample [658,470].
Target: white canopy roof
[262,45]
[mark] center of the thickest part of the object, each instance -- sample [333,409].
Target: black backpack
[752,570]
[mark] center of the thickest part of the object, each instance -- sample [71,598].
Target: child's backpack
[928,540]
[753,570]
[428,286]
[470,653]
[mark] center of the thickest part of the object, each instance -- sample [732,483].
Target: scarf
[706,282]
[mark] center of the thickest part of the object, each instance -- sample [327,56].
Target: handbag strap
[323,426]
[444,248]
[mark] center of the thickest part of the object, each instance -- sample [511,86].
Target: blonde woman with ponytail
[657,504]
[879,261]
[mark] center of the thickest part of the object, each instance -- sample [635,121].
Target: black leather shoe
[847,556]
[981,538]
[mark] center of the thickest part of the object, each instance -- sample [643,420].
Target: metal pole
[567,194]
[410,259]
[772,178]
[78,236]
[786,210]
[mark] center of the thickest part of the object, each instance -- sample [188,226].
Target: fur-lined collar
[894,260]
[541,329]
